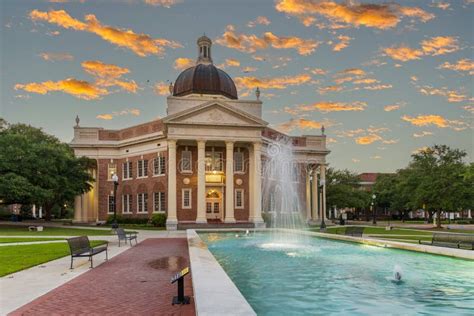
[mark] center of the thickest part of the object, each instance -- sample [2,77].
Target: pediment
[214,114]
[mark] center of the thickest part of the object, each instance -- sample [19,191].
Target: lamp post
[322,182]
[373,209]
[116,183]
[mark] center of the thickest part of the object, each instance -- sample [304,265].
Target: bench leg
[71,262]
[106,254]
[119,242]
[92,265]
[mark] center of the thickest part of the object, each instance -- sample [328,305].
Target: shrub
[127,220]
[158,220]
[267,218]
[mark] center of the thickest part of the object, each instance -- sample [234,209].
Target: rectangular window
[186,161]
[126,203]
[111,170]
[127,170]
[239,198]
[213,161]
[111,204]
[142,202]
[142,168]
[159,202]
[159,166]
[238,161]
[186,203]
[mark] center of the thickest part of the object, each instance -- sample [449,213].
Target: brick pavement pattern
[136,282]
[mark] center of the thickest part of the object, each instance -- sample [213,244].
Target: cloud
[249,69]
[466,65]
[109,116]
[141,44]
[326,106]
[422,134]
[365,81]
[57,56]
[354,160]
[353,71]
[369,139]
[183,63]
[376,157]
[162,3]
[367,136]
[262,20]
[301,123]
[434,120]
[469,108]
[78,88]
[438,45]
[318,71]
[403,53]
[394,107]
[335,88]
[108,75]
[251,43]
[343,43]
[229,62]
[453,96]
[378,87]
[379,16]
[162,88]
[271,83]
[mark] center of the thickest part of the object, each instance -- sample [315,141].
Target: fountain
[282,193]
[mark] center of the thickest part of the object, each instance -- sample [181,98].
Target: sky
[386,79]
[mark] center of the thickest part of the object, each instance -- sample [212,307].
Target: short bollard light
[180,299]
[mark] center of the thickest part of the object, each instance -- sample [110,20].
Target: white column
[322,172]
[308,194]
[33,210]
[41,212]
[257,184]
[251,186]
[172,219]
[78,208]
[315,195]
[201,182]
[229,183]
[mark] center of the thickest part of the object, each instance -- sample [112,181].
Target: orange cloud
[343,43]
[301,123]
[326,106]
[262,20]
[78,88]
[109,116]
[249,69]
[141,44]
[57,56]
[107,75]
[271,83]
[230,62]
[466,65]
[369,139]
[318,71]
[394,107]
[380,16]
[183,63]
[365,81]
[251,43]
[161,88]
[451,95]
[440,45]
[378,87]
[335,88]
[353,71]
[403,53]
[436,120]
[422,134]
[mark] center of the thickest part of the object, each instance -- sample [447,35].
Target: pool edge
[211,281]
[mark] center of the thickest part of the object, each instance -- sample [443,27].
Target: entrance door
[213,204]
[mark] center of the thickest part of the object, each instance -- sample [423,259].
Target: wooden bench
[354,231]
[81,247]
[122,235]
[460,241]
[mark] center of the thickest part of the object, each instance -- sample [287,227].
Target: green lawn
[20,257]
[26,239]
[51,231]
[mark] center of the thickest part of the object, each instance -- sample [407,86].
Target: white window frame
[243,162]
[190,170]
[241,191]
[141,197]
[159,203]
[128,208]
[190,198]
[161,162]
[109,211]
[129,174]
[145,169]
[111,166]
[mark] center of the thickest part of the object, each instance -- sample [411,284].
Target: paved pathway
[135,282]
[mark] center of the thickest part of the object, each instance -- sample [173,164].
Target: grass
[51,231]
[20,257]
[26,239]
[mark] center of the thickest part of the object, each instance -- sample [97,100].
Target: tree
[441,182]
[343,189]
[36,168]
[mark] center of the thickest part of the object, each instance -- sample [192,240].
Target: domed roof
[204,78]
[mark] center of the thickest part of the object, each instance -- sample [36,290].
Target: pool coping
[214,291]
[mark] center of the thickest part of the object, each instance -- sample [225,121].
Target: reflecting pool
[320,276]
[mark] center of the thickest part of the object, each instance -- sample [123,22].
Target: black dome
[204,79]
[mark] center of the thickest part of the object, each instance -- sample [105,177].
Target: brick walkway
[136,282]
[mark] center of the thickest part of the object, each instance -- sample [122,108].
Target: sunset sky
[385,78]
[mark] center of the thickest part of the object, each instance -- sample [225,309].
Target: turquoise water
[320,276]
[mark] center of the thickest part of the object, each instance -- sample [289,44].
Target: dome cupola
[204,77]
